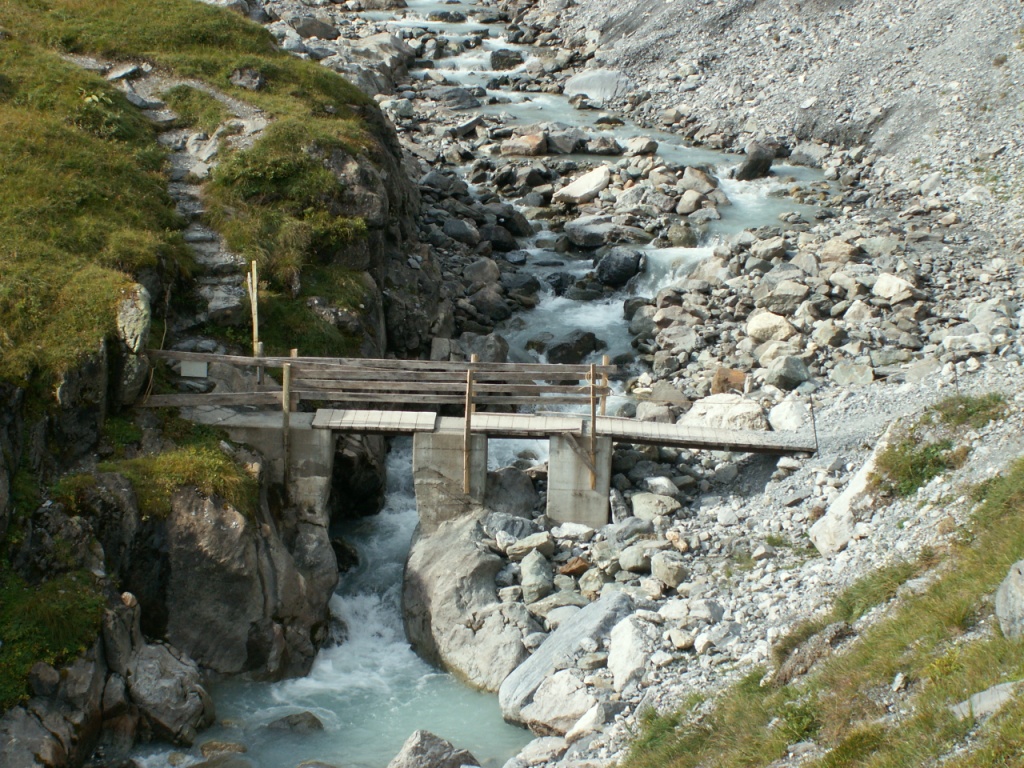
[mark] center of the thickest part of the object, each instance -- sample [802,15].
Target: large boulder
[598,84]
[425,750]
[757,163]
[619,266]
[453,617]
[237,600]
[632,641]
[559,651]
[726,411]
[167,688]
[574,347]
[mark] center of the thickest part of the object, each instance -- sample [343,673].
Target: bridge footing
[438,468]
[570,497]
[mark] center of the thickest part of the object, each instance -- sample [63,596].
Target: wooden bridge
[452,408]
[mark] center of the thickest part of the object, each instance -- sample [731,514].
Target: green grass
[83,200]
[842,704]
[928,448]
[83,205]
[196,460]
[52,622]
[961,410]
[196,108]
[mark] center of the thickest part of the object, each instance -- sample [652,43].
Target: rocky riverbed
[889,293]
[879,271]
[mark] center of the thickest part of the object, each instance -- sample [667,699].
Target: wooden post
[604,385]
[293,404]
[467,436]
[593,426]
[252,283]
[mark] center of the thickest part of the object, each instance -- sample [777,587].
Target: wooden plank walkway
[521,425]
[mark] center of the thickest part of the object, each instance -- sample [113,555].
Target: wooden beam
[213,398]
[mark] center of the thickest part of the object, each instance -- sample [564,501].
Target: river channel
[371,691]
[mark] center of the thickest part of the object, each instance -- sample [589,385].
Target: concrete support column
[437,470]
[570,498]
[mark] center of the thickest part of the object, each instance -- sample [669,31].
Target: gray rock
[648,506]
[134,317]
[619,266]
[300,722]
[453,98]
[1010,601]
[757,163]
[309,26]
[425,750]
[537,578]
[635,559]
[631,643]
[669,567]
[787,372]
[462,231]
[986,703]
[557,704]
[449,578]
[586,188]
[504,58]
[852,374]
[511,491]
[168,691]
[598,84]
[593,622]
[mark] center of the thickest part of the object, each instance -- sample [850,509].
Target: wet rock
[757,163]
[462,231]
[574,347]
[453,98]
[168,691]
[425,750]
[619,266]
[698,180]
[300,722]
[504,58]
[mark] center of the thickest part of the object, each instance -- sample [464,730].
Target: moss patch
[52,623]
[196,108]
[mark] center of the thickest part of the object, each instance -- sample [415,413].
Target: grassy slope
[845,704]
[83,204]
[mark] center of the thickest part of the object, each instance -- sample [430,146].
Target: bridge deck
[519,425]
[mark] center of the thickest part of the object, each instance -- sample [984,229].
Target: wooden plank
[448,377]
[337,385]
[374,421]
[542,369]
[687,436]
[213,398]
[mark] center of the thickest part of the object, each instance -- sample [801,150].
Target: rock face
[425,750]
[122,689]
[452,614]
[238,601]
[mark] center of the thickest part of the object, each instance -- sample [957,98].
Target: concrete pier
[438,474]
[570,497]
